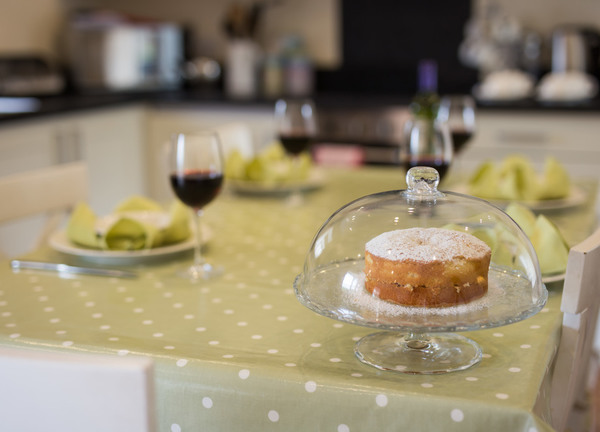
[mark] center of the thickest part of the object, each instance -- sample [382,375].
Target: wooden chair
[580,305]
[73,392]
[48,192]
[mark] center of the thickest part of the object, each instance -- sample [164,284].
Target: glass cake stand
[419,340]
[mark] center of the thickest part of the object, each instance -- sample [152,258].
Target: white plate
[315,181]
[576,197]
[60,242]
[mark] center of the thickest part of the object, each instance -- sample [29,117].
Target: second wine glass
[196,176]
[428,144]
[296,124]
[458,111]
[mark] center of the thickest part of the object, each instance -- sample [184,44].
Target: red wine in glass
[458,111]
[439,164]
[196,175]
[196,188]
[460,138]
[295,144]
[296,127]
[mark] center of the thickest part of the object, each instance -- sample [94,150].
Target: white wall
[35,25]
[30,26]
[317,21]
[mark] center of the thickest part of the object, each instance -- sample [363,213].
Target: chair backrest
[580,305]
[51,191]
[74,392]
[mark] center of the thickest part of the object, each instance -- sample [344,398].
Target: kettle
[576,49]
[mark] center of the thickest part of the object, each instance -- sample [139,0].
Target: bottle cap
[427,72]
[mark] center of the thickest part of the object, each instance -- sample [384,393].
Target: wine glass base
[201,272]
[418,354]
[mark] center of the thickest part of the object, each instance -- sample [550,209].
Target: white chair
[74,392]
[580,305]
[47,193]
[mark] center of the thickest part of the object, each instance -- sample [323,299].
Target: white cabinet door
[29,145]
[111,141]
[571,137]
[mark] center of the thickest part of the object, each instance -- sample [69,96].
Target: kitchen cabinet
[110,140]
[163,121]
[32,144]
[113,144]
[571,137]
[124,145]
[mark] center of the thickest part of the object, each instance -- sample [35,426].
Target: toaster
[127,56]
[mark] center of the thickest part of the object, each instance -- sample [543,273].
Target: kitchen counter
[51,105]
[78,102]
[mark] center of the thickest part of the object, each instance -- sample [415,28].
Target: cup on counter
[242,69]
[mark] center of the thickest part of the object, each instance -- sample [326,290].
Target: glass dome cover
[332,281]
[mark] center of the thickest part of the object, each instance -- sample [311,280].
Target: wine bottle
[428,143]
[426,102]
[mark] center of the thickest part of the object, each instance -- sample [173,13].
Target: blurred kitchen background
[116,77]
[331,46]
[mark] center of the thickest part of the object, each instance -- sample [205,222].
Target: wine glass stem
[295,197]
[198,258]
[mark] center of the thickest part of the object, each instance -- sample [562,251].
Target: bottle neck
[426,102]
[427,76]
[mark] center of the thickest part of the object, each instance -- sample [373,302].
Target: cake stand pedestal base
[417,353]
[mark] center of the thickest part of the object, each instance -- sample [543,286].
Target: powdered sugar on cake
[426,245]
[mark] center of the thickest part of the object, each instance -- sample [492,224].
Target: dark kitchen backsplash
[383,40]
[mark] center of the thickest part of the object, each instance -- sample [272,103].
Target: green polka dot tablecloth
[242,353]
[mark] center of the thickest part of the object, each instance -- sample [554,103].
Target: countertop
[78,102]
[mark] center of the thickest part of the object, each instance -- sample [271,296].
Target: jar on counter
[242,69]
[298,74]
[273,82]
[299,77]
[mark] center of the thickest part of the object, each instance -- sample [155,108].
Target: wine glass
[296,124]
[296,128]
[428,144]
[458,111]
[196,176]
